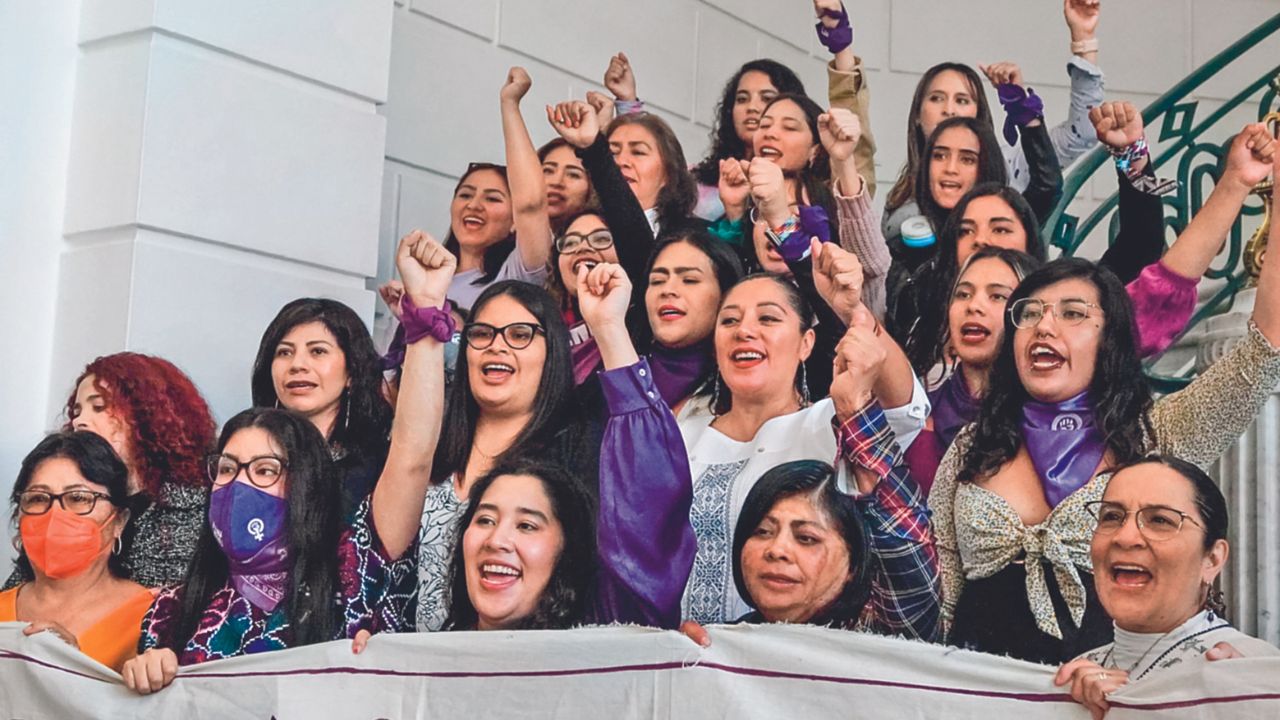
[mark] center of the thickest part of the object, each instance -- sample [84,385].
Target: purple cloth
[815,222]
[1064,443]
[839,37]
[644,539]
[953,407]
[678,372]
[1021,106]
[249,525]
[1163,302]
[586,359]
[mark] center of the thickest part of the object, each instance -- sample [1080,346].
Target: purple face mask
[249,525]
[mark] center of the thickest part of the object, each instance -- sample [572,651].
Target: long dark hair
[496,254]
[816,480]
[679,194]
[363,425]
[904,188]
[725,142]
[722,396]
[593,201]
[564,601]
[552,406]
[935,280]
[314,527]
[1121,396]
[95,460]
[991,167]
[724,263]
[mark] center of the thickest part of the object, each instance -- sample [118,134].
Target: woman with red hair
[157,422]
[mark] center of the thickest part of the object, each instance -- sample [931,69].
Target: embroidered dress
[440,515]
[980,536]
[724,471]
[1143,654]
[372,595]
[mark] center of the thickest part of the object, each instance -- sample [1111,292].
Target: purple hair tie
[1021,106]
[839,37]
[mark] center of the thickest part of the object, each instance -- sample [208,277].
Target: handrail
[1068,232]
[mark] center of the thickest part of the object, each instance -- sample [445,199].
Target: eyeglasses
[571,243]
[1155,522]
[263,471]
[518,336]
[79,502]
[1028,312]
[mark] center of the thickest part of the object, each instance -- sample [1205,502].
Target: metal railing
[1198,161]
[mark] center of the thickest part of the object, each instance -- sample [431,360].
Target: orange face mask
[62,544]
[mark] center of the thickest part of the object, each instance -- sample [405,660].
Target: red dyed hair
[169,424]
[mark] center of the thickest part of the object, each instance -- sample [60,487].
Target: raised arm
[846,82]
[840,131]
[1024,116]
[906,589]
[1140,241]
[1071,137]
[426,269]
[524,175]
[643,536]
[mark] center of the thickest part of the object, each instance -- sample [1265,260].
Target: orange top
[112,640]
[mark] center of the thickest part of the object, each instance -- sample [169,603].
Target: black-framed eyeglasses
[1028,312]
[571,243]
[263,471]
[1155,522]
[518,336]
[78,502]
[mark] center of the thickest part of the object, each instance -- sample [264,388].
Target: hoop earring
[119,545]
[804,387]
[346,413]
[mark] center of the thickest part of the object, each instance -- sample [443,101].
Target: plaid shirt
[906,589]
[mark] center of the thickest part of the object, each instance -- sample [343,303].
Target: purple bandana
[677,372]
[249,525]
[1064,444]
[1020,107]
[953,407]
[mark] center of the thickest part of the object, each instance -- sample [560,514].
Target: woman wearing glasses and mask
[1066,400]
[1160,544]
[70,502]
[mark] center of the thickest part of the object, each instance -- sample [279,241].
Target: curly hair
[169,424]
[725,142]
[1120,392]
[564,601]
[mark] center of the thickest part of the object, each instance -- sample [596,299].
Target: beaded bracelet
[1127,157]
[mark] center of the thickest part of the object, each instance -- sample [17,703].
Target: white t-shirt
[463,292]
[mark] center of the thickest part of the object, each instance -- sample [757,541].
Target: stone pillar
[225,158]
[1250,477]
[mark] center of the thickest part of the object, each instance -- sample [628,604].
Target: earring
[715,396]
[277,402]
[119,545]
[804,387]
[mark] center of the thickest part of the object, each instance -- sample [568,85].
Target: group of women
[624,389]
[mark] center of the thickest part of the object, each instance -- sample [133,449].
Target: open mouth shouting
[770,152]
[496,371]
[974,333]
[473,222]
[1130,575]
[498,576]
[588,262]
[556,198]
[1044,358]
[746,357]
[300,387]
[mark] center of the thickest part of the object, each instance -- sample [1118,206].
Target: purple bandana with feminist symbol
[1064,444]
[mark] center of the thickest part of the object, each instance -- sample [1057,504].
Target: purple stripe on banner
[10,655]
[1176,704]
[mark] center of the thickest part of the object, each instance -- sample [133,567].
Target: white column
[1250,477]
[207,163]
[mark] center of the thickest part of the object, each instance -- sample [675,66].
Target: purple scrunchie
[839,37]
[814,222]
[395,351]
[1020,107]
[415,324]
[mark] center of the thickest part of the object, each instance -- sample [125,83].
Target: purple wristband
[839,37]
[1020,107]
[815,222]
[423,322]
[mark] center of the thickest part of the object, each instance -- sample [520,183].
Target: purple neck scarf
[250,526]
[1064,444]
[677,372]
[953,407]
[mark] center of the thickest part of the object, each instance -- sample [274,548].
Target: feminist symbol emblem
[255,528]
[1067,421]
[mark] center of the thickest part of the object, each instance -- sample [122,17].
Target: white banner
[612,673]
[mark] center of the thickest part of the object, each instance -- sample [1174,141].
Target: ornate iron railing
[1198,161]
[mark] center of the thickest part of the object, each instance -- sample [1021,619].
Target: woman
[1156,579]
[278,564]
[317,359]
[1065,397]
[512,396]
[70,502]
[569,189]
[528,546]
[155,419]
[482,235]
[756,415]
